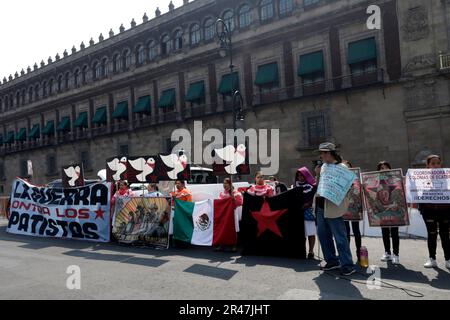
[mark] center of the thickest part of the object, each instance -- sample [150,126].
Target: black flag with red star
[274,226]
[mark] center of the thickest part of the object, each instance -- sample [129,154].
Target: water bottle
[364,257]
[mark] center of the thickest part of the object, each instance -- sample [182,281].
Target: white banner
[428,186]
[80,213]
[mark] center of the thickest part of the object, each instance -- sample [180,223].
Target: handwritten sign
[428,186]
[335,182]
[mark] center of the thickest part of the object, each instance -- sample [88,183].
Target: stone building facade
[310,68]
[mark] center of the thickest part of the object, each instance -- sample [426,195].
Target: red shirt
[261,191]
[238,199]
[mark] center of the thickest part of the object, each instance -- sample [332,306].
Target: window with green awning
[10,137]
[363,50]
[196,92]
[267,75]
[168,99]
[143,105]
[121,111]
[100,116]
[82,120]
[34,132]
[310,63]
[49,128]
[64,125]
[229,84]
[21,135]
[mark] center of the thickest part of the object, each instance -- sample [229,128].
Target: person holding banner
[305,180]
[123,190]
[434,216]
[354,225]
[261,188]
[153,192]
[329,219]
[389,232]
[230,192]
[181,192]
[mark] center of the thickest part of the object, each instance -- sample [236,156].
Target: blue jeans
[326,230]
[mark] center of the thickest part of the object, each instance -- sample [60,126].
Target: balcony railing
[197,111]
[444,62]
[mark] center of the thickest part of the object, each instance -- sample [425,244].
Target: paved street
[35,268]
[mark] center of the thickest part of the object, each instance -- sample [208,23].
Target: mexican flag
[205,223]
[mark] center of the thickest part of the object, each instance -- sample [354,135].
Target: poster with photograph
[355,199]
[384,194]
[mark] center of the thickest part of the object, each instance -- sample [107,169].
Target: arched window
[67,81]
[178,40]
[76,78]
[17,99]
[210,29]
[96,70]
[228,18]
[30,95]
[152,50]
[11,101]
[44,89]
[23,97]
[117,63]
[286,7]
[104,67]
[60,83]
[245,18]
[6,103]
[266,10]
[165,45]
[50,87]
[84,74]
[195,34]
[126,59]
[140,54]
[36,93]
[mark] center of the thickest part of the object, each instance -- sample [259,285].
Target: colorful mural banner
[355,199]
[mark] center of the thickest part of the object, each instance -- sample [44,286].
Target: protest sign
[428,186]
[355,199]
[335,181]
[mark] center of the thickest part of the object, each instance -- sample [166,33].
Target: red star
[185,175]
[267,219]
[99,214]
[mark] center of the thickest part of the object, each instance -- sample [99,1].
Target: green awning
[310,63]
[121,111]
[196,92]
[82,120]
[64,125]
[10,137]
[167,99]
[21,135]
[363,50]
[34,132]
[267,75]
[143,105]
[49,128]
[229,84]
[100,116]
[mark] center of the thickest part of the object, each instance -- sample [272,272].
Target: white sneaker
[447,264]
[395,259]
[386,257]
[431,263]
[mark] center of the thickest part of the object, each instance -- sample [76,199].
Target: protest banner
[144,221]
[384,195]
[78,213]
[72,176]
[428,186]
[355,199]
[335,182]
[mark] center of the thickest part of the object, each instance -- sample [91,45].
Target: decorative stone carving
[91,42]
[57,57]
[22,72]
[82,45]
[145,18]
[50,60]
[421,96]
[415,25]
[157,12]
[65,53]
[100,37]
[35,66]
[28,69]
[42,63]
[420,62]
[133,23]
[171,6]
[111,33]
[122,28]
[74,49]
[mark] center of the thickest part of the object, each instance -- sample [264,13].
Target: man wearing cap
[330,222]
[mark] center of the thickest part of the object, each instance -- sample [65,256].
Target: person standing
[436,216]
[354,225]
[305,180]
[260,188]
[329,220]
[123,190]
[153,192]
[389,232]
[182,193]
[238,200]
